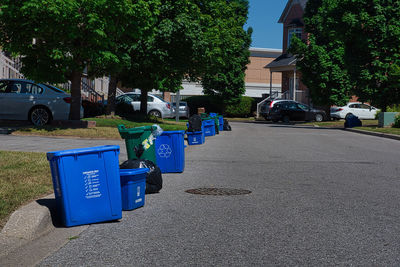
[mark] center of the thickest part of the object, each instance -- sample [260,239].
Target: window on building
[294,32]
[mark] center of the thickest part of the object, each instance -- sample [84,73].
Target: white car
[156,106]
[362,111]
[22,99]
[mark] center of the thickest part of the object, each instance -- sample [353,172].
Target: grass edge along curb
[24,176]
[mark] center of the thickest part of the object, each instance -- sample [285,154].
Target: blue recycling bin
[170,151]
[209,127]
[221,123]
[133,187]
[195,138]
[86,184]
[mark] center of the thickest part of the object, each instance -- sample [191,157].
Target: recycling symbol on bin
[164,151]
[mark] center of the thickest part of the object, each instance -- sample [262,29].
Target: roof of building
[289,5]
[258,49]
[282,61]
[265,52]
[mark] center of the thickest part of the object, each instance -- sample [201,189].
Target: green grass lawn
[106,128]
[380,130]
[340,123]
[24,176]
[368,125]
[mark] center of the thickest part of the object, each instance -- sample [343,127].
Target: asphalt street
[319,197]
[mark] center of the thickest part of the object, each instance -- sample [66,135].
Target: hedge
[244,108]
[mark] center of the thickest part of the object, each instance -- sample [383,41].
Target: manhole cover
[218,191]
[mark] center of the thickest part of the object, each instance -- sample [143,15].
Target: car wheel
[319,117]
[348,115]
[155,113]
[286,119]
[40,116]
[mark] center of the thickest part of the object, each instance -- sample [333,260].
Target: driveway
[319,197]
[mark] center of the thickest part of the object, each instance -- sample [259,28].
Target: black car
[290,110]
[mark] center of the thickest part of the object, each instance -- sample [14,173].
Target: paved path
[319,197]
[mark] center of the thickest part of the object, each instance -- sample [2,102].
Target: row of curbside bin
[90,187]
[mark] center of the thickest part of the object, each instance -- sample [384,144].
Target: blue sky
[263,18]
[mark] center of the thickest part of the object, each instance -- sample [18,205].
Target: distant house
[285,64]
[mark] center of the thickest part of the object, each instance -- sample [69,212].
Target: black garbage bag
[194,123]
[352,121]
[153,177]
[227,127]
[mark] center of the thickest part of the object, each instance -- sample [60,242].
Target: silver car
[156,106]
[39,103]
[183,109]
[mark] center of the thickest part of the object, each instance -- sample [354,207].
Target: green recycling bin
[139,141]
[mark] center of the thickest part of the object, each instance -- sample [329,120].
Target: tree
[321,58]
[131,22]
[168,53]
[369,31]
[227,52]
[57,39]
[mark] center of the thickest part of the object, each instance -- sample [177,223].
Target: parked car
[266,107]
[362,111]
[22,99]
[156,106]
[289,110]
[183,109]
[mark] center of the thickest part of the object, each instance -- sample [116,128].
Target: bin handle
[121,127]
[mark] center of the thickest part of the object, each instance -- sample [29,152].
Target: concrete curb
[384,135]
[29,221]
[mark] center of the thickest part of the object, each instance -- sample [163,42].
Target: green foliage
[393,108]
[241,109]
[58,38]
[226,54]
[397,122]
[353,50]
[321,59]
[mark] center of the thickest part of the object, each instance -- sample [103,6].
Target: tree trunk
[143,101]
[112,91]
[75,108]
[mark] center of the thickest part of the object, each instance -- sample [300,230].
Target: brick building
[285,64]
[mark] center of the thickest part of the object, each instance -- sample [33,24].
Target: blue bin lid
[81,151]
[133,172]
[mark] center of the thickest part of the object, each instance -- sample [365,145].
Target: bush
[244,108]
[394,108]
[241,109]
[397,122]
